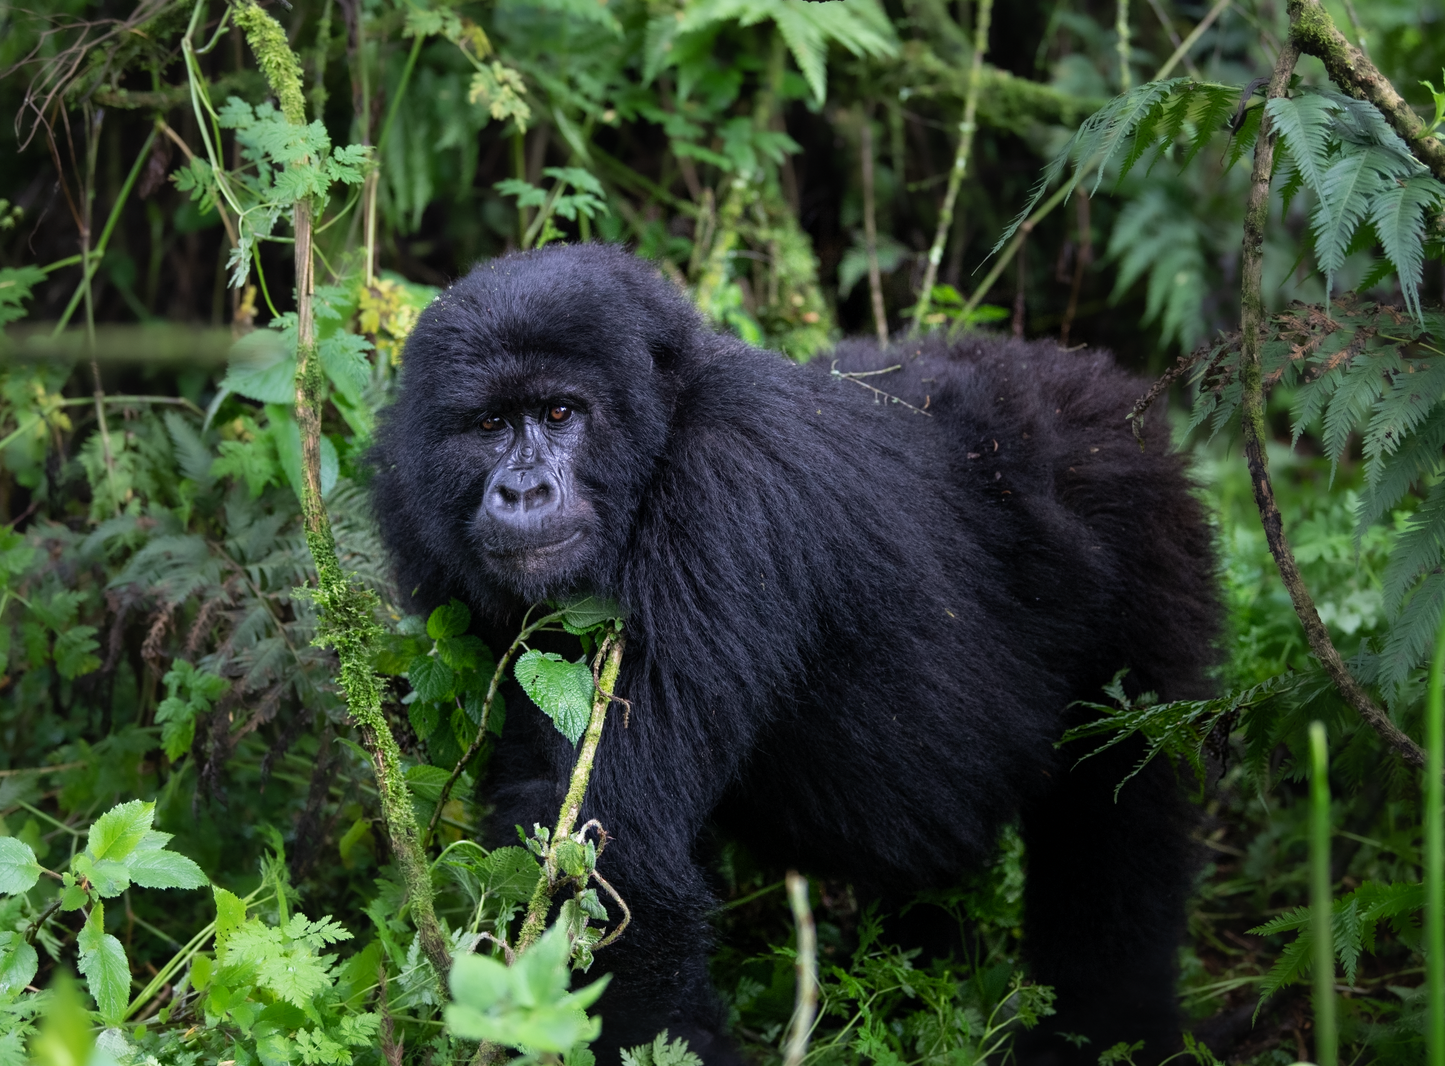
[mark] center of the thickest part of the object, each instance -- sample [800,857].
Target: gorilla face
[535,520]
[534,401]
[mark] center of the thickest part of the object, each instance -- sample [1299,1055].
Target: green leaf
[662,1053]
[18,963]
[103,962]
[230,914]
[74,652]
[432,679]
[1398,215]
[585,614]
[509,874]
[561,689]
[449,620]
[262,368]
[18,869]
[118,831]
[164,869]
[15,286]
[1304,124]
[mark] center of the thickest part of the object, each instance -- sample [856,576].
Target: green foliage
[661,1053]
[563,690]
[526,1005]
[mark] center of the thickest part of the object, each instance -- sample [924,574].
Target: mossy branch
[610,655]
[346,609]
[1313,32]
[1252,323]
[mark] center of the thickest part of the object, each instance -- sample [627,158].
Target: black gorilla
[855,630]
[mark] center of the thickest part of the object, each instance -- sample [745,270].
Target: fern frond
[1421,547]
[1389,476]
[1360,386]
[1210,108]
[1405,403]
[1413,633]
[1398,215]
[1348,186]
[1304,126]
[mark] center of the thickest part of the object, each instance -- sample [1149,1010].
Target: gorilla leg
[1104,906]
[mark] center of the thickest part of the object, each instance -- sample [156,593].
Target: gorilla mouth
[531,555]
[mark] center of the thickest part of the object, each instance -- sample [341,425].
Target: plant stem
[1121,44]
[966,129]
[497,675]
[1252,324]
[346,608]
[1434,862]
[870,230]
[1322,898]
[1190,41]
[1313,32]
[805,1001]
[611,656]
[1005,257]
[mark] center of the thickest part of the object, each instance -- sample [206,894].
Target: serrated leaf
[509,874]
[1398,215]
[462,653]
[432,679]
[449,620]
[561,689]
[18,869]
[230,914]
[1304,124]
[118,831]
[103,962]
[579,616]
[18,963]
[164,869]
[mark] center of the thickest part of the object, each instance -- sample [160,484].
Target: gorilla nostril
[538,498]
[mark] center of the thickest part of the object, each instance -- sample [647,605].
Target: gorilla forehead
[556,309]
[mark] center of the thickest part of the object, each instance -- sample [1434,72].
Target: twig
[805,1003]
[855,375]
[1121,44]
[497,674]
[1135,417]
[1083,257]
[1313,32]
[1191,40]
[870,229]
[1004,258]
[611,655]
[966,129]
[1252,410]
[1173,37]
[626,913]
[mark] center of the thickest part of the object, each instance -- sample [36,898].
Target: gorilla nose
[523,499]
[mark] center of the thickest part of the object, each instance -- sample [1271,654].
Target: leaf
[164,869]
[449,620]
[74,652]
[1398,215]
[118,831]
[1348,186]
[509,874]
[18,962]
[262,368]
[230,914]
[103,962]
[579,616]
[18,869]
[561,689]
[1303,123]
[432,679]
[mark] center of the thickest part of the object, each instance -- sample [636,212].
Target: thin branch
[1253,424]
[966,129]
[805,1005]
[870,229]
[1190,41]
[1005,257]
[1313,32]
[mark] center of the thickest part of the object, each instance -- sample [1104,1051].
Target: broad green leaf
[118,831]
[107,877]
[509,874]
[261,368]
[18,962]
[462,653]
[230,914]
[432,679]
[103,962]
[18,869]
[164,869]
[561,689]
[448,620]
[581,615]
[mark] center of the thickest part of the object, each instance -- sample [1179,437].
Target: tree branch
[1253,425]
[1313,32]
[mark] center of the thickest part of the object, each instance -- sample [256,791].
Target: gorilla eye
[491,423]
[558,413]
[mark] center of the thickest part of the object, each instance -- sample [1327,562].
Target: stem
[1322,898]
[870,231]
[805,1004]
[1313,32]
[1025,228]
[497,674]
[536,920]
[966,129]
[346,608]
[1252,321]
[1083,256]
[1189,42]
[1121,44]
[1434,863]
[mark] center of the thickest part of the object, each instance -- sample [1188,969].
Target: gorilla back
[856,627]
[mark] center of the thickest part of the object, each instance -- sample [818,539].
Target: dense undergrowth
[198,862]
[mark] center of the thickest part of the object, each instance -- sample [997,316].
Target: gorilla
[858,618]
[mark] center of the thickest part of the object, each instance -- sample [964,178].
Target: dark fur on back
[855,631]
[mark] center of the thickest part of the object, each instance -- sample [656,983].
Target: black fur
[855,630]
